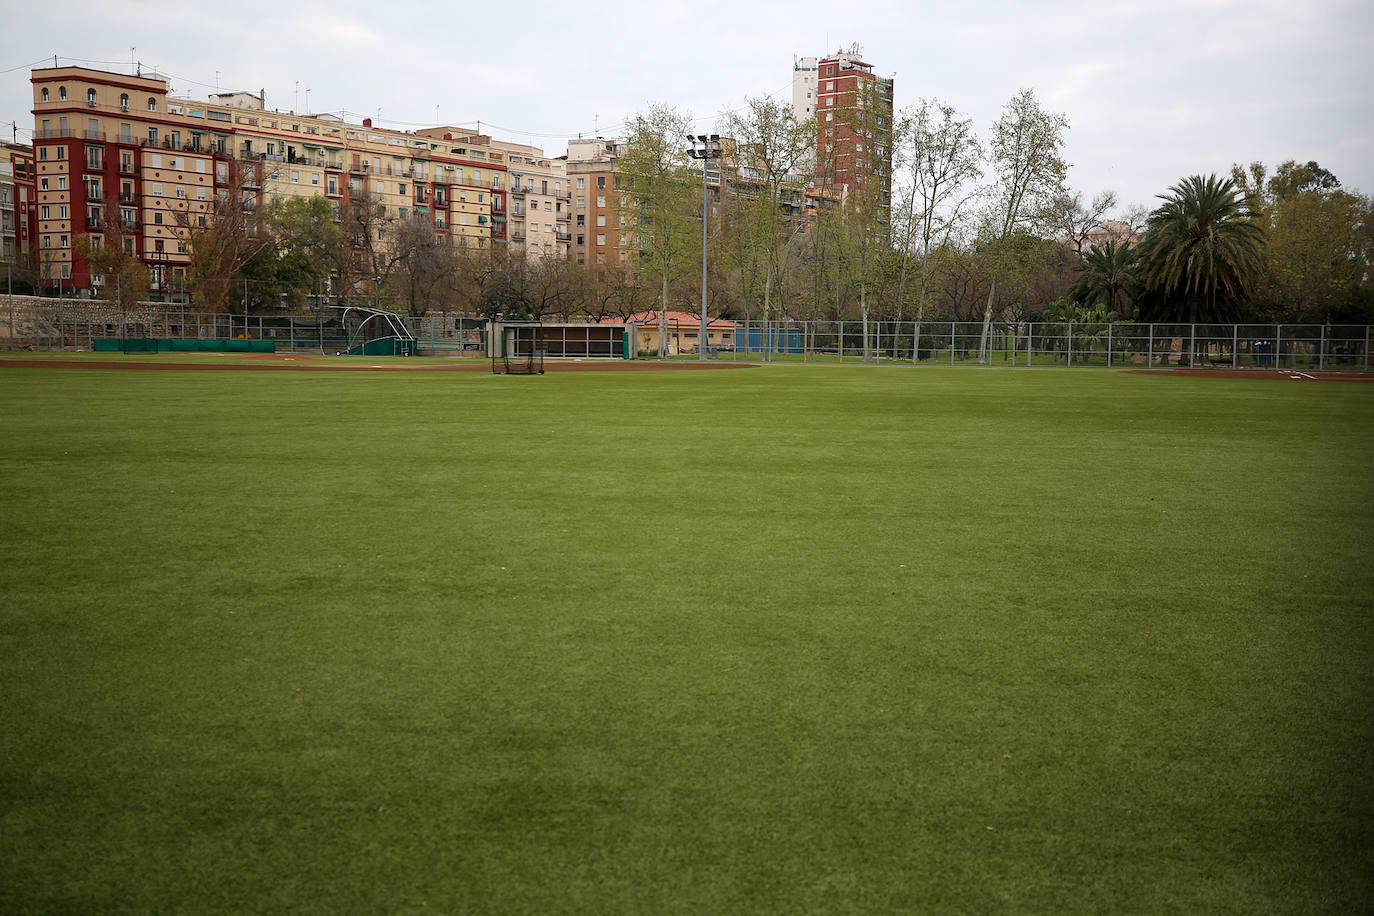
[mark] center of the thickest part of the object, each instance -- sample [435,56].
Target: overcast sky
[1153,91]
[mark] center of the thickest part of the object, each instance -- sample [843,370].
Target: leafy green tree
[655,172]
[1202,250]
[1320,244]
[1318,258]
[1027,144]
[770,149]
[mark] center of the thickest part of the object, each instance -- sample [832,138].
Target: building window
[601,182]
[601,219]
[157,218]
[63,242]
[152,103]
[62,93]
[61,182]
[90,96]
[124,101]
[45,93]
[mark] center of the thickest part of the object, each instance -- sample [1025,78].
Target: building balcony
[53,133]
[334,165]
[94,222]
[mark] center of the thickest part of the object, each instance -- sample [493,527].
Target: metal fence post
[1069,348]
[1109,344]
[952,326]
[1321,348]
[1030,344]
[1235,345]
[1278,344]
[1192,343]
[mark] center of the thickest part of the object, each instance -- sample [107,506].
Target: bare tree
[110,254]
[423,261]
[1072,220]
[231,234]
[937,153]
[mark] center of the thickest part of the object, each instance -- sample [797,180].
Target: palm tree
[1202,243]
[1108,277]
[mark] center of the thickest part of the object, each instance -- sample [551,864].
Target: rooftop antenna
[307,100]
[296,103]
[436,115]
[216,82]
[132,50]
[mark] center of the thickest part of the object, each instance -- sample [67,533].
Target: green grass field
[787,639]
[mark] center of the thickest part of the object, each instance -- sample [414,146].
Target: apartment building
[854,125]
[600,234]
[118,147]
[540,202]
[17,205]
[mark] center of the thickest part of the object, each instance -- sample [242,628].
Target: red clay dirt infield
[308,364]
[1284,374]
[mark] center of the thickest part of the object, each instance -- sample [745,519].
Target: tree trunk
[863,313]
[920,310]
[663,320]
[767,306]
[987,324]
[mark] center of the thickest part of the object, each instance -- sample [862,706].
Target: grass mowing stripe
[790,638]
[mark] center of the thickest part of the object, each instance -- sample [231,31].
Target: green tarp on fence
[190,345]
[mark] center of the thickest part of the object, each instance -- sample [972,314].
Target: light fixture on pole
[704,148]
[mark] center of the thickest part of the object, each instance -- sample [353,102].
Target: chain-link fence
[32,323]
[1065,344]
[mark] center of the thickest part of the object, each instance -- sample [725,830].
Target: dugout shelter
[565,341]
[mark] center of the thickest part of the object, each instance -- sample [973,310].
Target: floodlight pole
[704,148]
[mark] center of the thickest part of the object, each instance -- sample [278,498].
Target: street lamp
[704,148]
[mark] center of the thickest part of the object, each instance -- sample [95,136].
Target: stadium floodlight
[704,148]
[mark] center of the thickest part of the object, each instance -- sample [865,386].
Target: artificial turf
[822,639]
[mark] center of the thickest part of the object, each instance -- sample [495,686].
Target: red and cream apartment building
[118,147]
[853,110]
